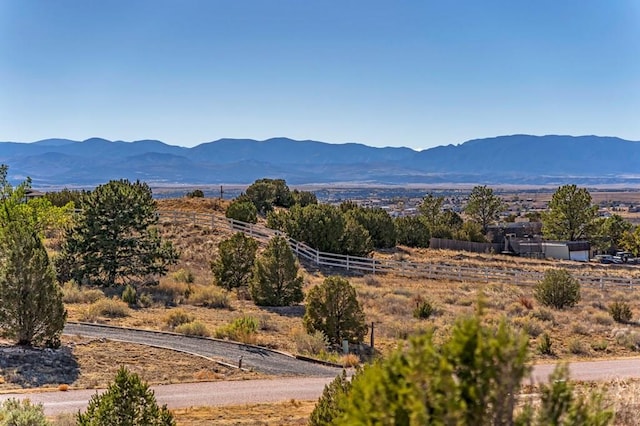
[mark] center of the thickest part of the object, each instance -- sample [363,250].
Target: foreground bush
[472,378]
[127,402]
[14,412]
[558,289]
[177,317]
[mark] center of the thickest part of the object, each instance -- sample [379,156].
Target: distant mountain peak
[510,159]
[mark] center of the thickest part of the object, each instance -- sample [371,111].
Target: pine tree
[31,307]
[275,276]
[234,266]
[128,401]
[333,308]
[115,239]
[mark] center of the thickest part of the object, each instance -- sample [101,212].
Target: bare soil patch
[92,363]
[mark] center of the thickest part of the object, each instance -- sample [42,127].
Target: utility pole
[221,192]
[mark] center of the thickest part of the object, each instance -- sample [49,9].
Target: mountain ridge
[511,159]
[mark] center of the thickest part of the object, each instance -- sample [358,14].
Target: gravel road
[254,358]
[284,389]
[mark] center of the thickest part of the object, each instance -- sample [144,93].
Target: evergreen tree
[243,211]
[275,276]
[412,231]
[472,378]
[570,214]
[484,206]
[333,308]
[128,401]
[234,266]
[115,239]
[328,409]
[31,307]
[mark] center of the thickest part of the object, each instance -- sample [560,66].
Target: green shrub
[15,412]
[620,312]
[424,309]
[558,289]
[544,344]
[600,345]
[130,295]
[72,293]
[543,314]
[242,329]
[328,408]
[127,401]
[532,326]
[576,347]
[193,328]
[210,297]
[183,276]
[196,193]
[177,317]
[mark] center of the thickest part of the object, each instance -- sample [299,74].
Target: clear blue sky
[384,73]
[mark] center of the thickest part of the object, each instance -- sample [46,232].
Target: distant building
[567,250]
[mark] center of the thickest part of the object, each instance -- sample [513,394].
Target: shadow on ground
[30,367]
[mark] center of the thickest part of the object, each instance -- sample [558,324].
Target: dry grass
[289,413]
[586,331]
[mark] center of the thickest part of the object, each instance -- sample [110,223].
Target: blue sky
[383,73]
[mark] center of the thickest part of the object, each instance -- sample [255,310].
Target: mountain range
[512,160]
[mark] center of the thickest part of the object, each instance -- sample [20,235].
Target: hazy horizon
[415,74]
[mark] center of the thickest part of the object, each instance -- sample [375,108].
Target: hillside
[516,159]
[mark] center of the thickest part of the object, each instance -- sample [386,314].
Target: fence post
[601,283]
[347,262]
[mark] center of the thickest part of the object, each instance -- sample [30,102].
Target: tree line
[351,229]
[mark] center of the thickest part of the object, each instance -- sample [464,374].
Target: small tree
[484,206]
[558,289]
[31,307]
[234,266]
[243,211]
[196,193]
[570,215]
[412,231]
[275,276]
[128,401]
[115,239]
[333,308]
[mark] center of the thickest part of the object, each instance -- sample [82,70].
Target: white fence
[370,265]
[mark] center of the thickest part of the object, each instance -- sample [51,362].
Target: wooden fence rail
[370,265]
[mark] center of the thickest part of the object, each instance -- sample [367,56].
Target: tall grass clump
[193,328]
[107,308]
[210,297]
[177,317]
[310,343]
[243,329]
[73,293]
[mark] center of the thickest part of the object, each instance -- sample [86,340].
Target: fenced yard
[369,265]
